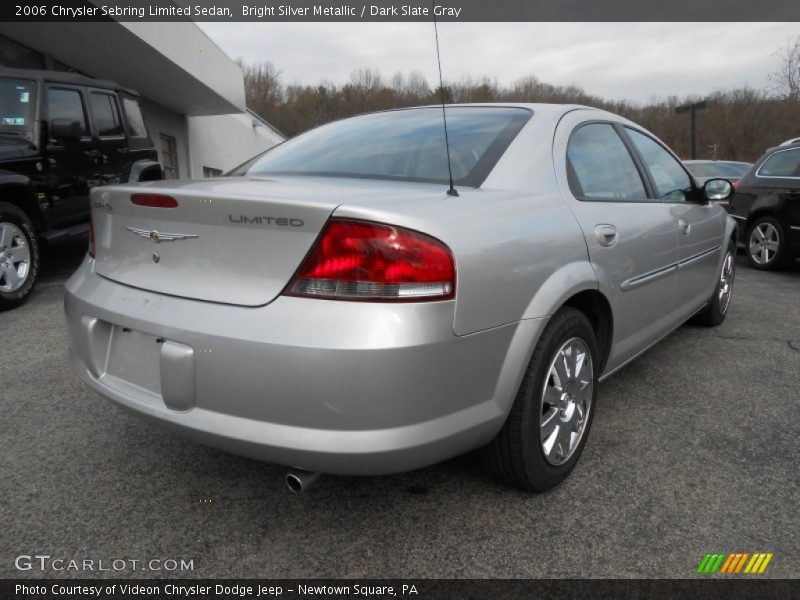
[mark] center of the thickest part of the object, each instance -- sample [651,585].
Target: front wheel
[716,311]
[546,430]
[19,256]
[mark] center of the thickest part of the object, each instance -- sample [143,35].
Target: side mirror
[66,130]
[716,190]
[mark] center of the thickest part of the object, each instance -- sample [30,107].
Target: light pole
[692,108]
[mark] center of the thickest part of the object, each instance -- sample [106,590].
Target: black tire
[716,311]
[516,456]
[780,259]
[13,297]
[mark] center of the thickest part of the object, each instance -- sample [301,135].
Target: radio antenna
[452,191]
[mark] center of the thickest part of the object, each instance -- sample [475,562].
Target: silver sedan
[336,306]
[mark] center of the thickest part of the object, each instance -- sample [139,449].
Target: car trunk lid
[230,240]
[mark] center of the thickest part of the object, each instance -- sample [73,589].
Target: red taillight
[91,238]
[359,260]
[154,200]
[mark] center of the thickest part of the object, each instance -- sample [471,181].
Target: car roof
[783,146]
[710,161]
[551,112]
[534,106]
[63,77]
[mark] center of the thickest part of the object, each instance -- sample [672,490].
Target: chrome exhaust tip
[299,480]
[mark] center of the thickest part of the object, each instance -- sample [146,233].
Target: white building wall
[160,119]
[225,141]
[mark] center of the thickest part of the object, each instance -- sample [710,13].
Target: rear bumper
[336,387]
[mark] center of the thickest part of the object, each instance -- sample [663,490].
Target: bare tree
[738,125]
[416,85]
[786,80]
[263,89]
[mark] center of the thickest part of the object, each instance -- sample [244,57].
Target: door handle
[685,226]
[607,235]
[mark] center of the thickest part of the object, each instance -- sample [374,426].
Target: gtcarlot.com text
[46,562]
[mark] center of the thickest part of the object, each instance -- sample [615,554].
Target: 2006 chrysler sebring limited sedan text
[334,307]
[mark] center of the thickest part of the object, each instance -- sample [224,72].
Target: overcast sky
[633,61]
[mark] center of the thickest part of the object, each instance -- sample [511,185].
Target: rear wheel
[549,422]
[19,256]
[766,243]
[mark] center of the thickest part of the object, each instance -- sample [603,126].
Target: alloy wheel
[566,401]
[764,242]
[15,257]
[726,282]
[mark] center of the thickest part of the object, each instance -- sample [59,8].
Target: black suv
[60,135]
[767,200]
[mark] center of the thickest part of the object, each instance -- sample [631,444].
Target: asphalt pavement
[694,449]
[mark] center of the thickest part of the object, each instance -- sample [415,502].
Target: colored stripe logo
[734,563]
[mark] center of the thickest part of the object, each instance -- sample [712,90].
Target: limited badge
[156,257]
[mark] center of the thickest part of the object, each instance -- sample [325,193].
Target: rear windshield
[16,105]
[718,169]
[404,145]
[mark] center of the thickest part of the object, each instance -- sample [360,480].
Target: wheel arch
[16,190]
[762,211]
[597,308]
[144,170]
[575,285]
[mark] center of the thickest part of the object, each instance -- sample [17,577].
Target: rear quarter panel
[518,249]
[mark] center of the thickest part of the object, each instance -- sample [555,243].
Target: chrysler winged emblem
[159,236]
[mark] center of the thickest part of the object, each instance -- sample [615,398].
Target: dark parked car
[767,205]
[703,170]
[61,134]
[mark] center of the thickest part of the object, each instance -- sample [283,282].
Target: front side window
[785,163]
[402,145]
[671,180]
[105,114]
[16,105]
[600,166]
[68,105]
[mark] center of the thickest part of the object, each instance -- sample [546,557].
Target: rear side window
[784,163]
[671,180]
[66,104]
[135,118]
[105,114]
[600,166]
[16,104]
